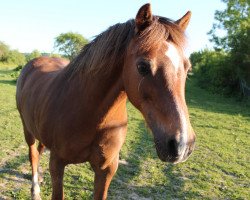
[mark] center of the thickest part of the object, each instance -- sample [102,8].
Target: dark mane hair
[108,49]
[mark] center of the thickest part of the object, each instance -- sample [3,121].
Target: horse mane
[108,49]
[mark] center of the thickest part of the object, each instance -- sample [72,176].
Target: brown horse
[78,109]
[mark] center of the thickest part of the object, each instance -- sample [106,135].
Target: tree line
[67,45]
[226,68]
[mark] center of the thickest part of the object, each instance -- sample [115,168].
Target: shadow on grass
[125,181]
[6,71]
[7,76]
[8,82]
[202,99]
[11,166]
[11,174]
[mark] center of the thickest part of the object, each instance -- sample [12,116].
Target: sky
[27,25]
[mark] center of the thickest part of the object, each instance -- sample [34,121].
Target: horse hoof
[40,179]
[35,193]
[36,197]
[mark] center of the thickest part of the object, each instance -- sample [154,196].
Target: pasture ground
[219,168]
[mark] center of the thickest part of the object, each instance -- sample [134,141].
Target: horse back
[38,66]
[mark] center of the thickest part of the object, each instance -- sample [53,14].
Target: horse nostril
[173,148]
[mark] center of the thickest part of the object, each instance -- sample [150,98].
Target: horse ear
[184,21]
[143,18]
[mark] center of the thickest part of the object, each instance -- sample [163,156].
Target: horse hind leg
[40,150]
[34,160]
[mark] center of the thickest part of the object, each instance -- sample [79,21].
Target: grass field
[219,168]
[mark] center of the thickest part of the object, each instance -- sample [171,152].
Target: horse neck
[99,99]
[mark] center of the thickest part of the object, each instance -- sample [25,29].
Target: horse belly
[74,147]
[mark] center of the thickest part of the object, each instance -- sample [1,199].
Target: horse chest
[91,144]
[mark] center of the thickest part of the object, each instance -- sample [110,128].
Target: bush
[4,50]
[15,57]
[54,55]
[8,56]
[215,72]
[34,54]
[16,72]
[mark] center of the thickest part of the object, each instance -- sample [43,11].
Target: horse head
[154,76]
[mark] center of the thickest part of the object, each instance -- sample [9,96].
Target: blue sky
[27,24]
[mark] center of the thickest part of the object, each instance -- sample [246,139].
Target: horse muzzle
[173,151]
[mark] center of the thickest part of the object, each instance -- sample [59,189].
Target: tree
[15,57]
[11,56]
[70,44]
[235,21]
[4,50]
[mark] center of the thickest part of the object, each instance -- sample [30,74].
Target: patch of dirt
[134,196]
[123,162]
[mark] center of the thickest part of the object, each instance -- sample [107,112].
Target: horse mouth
[164,155]
[172,153]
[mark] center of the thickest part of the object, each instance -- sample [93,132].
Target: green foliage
[16,72]
[34,54]
[240,54]
[214,71]
[235,21]
[70,44]
[8,56]
[4,50]
[16,57]
[55,55]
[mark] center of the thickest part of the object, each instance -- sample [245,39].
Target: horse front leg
[103,178]
[56,167]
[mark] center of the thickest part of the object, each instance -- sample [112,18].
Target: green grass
[218,168]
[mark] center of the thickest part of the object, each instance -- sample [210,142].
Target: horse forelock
[108,49]
[161,29]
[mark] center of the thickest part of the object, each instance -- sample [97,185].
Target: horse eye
[143,68]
